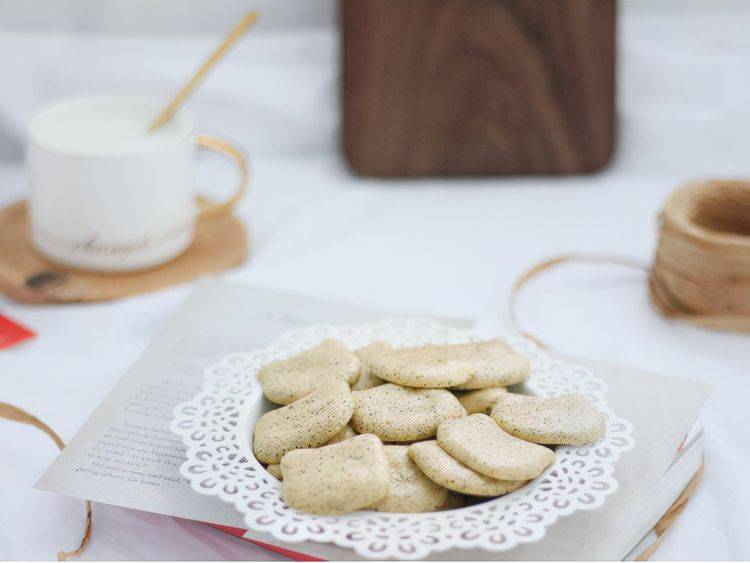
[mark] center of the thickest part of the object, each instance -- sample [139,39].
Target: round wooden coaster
[25,276]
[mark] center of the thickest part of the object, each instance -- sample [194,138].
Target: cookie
[285,381]
[428,366]
[453,501]
[306,423]
[479,443]
[344,434]
[400,414]
[569,419]
[409,489]
[494,364]
[366,378]
[275,470]
[440,467]
[481,400]
[336,479]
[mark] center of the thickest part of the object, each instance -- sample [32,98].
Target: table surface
[433,246]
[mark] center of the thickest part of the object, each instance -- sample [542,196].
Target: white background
[435,246]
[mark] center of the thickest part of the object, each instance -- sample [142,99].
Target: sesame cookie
[366,378]
[275,470]
[400,414]
[494,364]
[344,434]
[409,490]
[439,466]
[428,366]
[306,423]
[453,501]
[481,400]
[569,419]
[285,381]
[336,479]
[478,442]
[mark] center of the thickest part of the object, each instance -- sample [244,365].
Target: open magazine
[125,455]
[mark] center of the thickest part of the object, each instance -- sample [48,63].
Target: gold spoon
[239,30]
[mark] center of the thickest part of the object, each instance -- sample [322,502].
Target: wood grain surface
[463,87]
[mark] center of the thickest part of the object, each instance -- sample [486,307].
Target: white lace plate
[215,426]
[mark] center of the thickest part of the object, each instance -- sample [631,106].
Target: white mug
[108,196]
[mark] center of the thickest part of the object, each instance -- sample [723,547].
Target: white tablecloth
[436,246]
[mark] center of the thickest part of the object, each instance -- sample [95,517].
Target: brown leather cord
[16,414]
[550,263]
[701,272]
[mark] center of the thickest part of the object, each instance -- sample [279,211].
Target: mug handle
[214,210]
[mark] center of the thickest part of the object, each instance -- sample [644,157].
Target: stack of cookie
[409,429]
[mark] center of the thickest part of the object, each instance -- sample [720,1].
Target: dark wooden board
[463,87]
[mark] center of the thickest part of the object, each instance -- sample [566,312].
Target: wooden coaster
[27,277]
